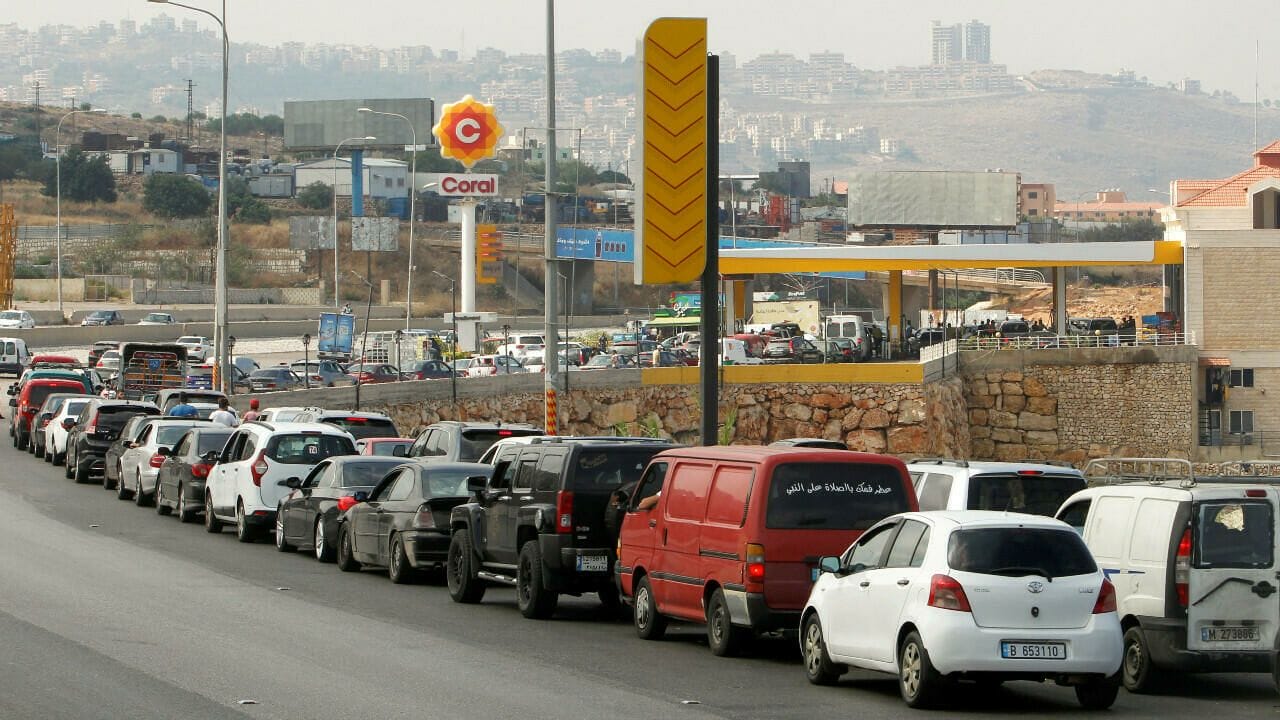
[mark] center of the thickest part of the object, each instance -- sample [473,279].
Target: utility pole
[551,334]
[191,120]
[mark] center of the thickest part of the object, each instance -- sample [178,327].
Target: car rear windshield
[366,473]
[73,407]
[1234,535]
[391,449]
[117,415]
[475,442]
[362,427]
[168,435]
[833,495]
[1019,551]
[308,448]
[211,441]
[37,393]
[607,470]
[1034,494]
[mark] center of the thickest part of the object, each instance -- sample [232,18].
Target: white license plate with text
[593,563]
[1033,651]
[1229,634]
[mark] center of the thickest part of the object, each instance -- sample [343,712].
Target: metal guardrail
[938,351]
[1057,342]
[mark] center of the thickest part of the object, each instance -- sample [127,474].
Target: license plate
[593,563]
[1033,651]
[1229,634]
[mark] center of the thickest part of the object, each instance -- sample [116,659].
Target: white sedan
[198,348]
[140,462]
[16,319]
[981,596]
[157,318]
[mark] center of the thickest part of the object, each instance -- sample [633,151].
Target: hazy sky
[1164,40]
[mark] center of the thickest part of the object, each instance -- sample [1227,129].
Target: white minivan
[14,355]
[1194,563]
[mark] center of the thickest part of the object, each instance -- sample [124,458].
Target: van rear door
[1231,588]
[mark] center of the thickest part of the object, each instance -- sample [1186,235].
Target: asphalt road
[109,611]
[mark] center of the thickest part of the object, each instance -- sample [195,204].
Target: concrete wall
[235,296]
[46,290]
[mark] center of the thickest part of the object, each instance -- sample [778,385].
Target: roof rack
[1115,470]
[597,438]
[940,461]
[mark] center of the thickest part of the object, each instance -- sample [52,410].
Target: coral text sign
[467,185]
[468,131]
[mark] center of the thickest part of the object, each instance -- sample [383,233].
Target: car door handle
[504,497]
[904,582]
[653,523]
[526,498]
[865,583]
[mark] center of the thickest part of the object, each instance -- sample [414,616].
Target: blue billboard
[337,333]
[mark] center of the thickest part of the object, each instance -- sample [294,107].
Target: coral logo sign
[458,185]
[468,131]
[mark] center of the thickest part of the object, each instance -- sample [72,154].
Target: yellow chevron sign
[671,220]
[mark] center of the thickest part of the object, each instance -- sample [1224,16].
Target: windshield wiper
[1021,570]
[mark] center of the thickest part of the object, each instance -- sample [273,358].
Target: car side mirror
[293,483]
[13,389]
[829,564]
[477,484]
[68,423]
[210,457]
[46,416]
[360,496]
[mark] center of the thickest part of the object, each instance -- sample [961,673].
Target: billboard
[310,232]
[336,334]
[941,199]
[375,234]
[322,124]
[595,244]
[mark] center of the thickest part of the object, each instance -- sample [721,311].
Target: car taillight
[92,427]
[947,593]
[259,468]
[200,471]
[346,502]
[755,562]
[564,512]
[156,461]
[1106,598]
[1182,568]
[424,519]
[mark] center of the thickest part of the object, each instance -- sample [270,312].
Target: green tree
[432,161]
[613,176]
[316,196]
[159,119]
[136,116]
[20,160]
[84,178]
[242,206]
[175,196]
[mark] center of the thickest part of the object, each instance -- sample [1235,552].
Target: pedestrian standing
[253,413]
[223,415]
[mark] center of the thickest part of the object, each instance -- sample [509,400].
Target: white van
[1193,560]
[14,355]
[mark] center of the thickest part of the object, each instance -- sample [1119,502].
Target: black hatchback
[97,426]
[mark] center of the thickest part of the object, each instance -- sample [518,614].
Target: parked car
[384,446]
[273,379]
[103,317]
[792,349]
[1033,488]
[108,363]
[404,524]
[742,527]
[936,597]
[459,441]
[285,413]
[29,400]
[199,348]
[610,361]
[430,370]
[14,355]
[357,424]
[320,373]
[157,318]
[834,352]
[200,377]
[309,513]
[141,461]
[125,439]
[243,487]
[539,522]
[487,365]
[461,365]
[46,416]
[16,319]
[59,427]
[168,398]
[366,373]
[522,347]
[55,372]
[1095,332]
[1194,562]
[97,427]
[99,347]
[180,482]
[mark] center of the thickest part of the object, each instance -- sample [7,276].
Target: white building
[382,178]
[149,161]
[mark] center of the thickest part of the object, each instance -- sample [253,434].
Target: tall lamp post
[57,242]
[364,342]
[368,138]
[306,360]
[220,278]
[453,291]
[413,177]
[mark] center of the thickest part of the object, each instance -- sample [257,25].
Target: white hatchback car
[19,319]
[59,427]
[247,484]
[141,460]
[198,347]
[974,595]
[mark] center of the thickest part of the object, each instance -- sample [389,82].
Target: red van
[731,536]
[29,401]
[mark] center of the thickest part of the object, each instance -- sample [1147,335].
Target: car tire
[725,638]
[122,490]
[161,508]
[1098,694]
[82,472]
[319,544]
[1136,670]
[244,533]
[918,681]
[534,598]
[185,514]
[650,624]
[20,440]
[282,545]
[140,498]
[463,577]
[67,469]
[346,559]
[398,568]
[37,449]
[212,524]
[818,668]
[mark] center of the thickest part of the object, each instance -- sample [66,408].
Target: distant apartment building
[1107,206]
[1036,201]
[977,42]
[1187,86]
[947,43]
[961,77]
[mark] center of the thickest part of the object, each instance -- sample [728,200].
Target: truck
[147,368]
[336,336]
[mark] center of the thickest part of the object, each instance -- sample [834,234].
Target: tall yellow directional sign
[671,219]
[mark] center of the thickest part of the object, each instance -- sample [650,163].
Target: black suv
[540,522]
[457,441]
[98,426]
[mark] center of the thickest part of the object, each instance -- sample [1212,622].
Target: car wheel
[1135,671]
[244,533]
[725,638]
[162,508]
[139,498]
[650,624]
[399,570]
[346,554]
[320,544]
[818,667]
[1098,694]
[185,514]
[465,585]
[82,472]
[67,470]
[917,680]
[37,448]
[122,490]
[211,523]
[534,598]
[282,544]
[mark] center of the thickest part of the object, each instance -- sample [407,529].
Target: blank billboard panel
[375,234]
[310,232]
[322,124]
[933,199]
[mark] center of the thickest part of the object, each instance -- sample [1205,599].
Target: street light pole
[336,301]
[57,242]
[413,178]
[453,376]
